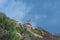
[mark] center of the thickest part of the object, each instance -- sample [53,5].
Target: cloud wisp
[15,9]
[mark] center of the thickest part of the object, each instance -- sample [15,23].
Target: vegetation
[35,31]
[7,28]
[22,30]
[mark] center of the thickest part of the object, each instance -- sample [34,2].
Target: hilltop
[10,29]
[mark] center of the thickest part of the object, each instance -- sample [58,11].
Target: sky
[43,13]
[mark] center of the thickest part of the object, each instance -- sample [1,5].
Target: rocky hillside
[10,29]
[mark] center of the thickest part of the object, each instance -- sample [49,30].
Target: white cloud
[40,16]
[16,9]
[37,17]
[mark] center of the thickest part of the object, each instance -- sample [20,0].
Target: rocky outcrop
[10,29]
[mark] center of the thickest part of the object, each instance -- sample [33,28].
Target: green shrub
[7,28]
[35,31]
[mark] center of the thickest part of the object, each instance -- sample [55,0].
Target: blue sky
[44,13]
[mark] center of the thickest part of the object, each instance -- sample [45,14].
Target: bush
[35,31]
[7,28]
